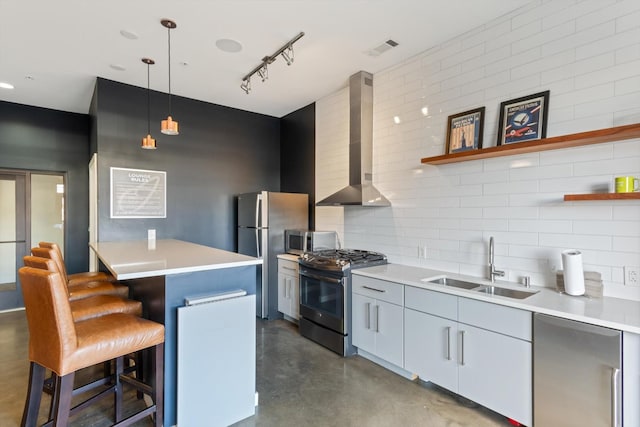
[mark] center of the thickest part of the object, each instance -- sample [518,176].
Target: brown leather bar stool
[58,343]
[76,278]
[93,306]
[84,289]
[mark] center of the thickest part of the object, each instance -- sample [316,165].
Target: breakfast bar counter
[162,273]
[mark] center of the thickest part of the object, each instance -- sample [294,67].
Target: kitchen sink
[454,283]
[505,292]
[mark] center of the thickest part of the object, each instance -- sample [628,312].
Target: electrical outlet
[632,276]
[422,251]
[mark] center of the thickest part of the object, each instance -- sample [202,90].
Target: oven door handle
[324,279]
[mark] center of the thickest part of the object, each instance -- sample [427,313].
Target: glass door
[13,237]
[31,211]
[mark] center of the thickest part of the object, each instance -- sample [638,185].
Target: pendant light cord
[169,44]
[148,101]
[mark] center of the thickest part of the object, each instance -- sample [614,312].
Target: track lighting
[285,51]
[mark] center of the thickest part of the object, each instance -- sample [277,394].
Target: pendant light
[169,126]
[148,143]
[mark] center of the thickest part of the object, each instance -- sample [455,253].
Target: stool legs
[158,384]
[34,395]
[63,394]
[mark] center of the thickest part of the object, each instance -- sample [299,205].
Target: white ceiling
[52,51]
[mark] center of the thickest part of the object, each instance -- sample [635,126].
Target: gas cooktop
[342,259]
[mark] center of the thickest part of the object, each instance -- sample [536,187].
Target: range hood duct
[360,191]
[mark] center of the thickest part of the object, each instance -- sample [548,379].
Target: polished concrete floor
[299,382]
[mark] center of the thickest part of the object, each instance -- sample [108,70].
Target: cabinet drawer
[431,302]
[379,289]
[287,267]
[493,317]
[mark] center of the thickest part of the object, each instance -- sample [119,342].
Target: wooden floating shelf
[618,133]
[601,196]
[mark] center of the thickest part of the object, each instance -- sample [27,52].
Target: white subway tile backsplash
[576,212]
[602,243]
[587,53]
[628,54]
[608,228]
[543,226]
[578,154]
[628,20]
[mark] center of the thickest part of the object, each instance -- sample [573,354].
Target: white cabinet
[377,316]
[479,350]
[288,288]
[430,348]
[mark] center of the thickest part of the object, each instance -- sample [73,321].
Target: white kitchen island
[162,274]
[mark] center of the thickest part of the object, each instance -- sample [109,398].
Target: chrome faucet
[492,268]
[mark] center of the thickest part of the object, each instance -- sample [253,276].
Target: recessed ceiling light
[117,67]
[4,85]
[128,34]
[228,45]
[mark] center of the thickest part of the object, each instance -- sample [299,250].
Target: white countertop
[139,258]
[610,312]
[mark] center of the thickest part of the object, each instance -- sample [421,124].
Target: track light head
[287,55]
[246,86]
[263,72]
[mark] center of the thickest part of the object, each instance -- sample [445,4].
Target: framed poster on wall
[523,119]
[138,193]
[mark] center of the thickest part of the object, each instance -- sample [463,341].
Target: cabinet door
[294,297]
[430,349]
[495,371]
[362,323]
[388,323]
[283,294]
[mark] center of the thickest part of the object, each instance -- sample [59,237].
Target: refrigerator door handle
[258,206]
[614,397]
[257,230]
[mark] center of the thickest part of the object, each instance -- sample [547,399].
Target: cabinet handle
[377,318]
[368,315]
[462,348]
[614,397]
[448,328]
[287,268]
[374,289]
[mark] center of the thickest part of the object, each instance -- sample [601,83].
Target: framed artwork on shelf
[464,131]
[523,119]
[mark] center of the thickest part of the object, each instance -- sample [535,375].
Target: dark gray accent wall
[297,155]
[219,153]
[39,139]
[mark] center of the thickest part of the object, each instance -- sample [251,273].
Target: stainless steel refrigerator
[262,219]
[577,379]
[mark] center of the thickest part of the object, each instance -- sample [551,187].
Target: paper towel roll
[573,274]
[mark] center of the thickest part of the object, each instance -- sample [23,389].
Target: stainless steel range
[325,295]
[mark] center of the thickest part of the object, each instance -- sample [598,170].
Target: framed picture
[464,131]
[523,119]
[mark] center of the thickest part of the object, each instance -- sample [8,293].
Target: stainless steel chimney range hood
[360,191]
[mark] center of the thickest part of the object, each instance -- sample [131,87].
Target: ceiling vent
[379,50]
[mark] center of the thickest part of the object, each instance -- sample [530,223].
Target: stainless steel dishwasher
[577,378]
